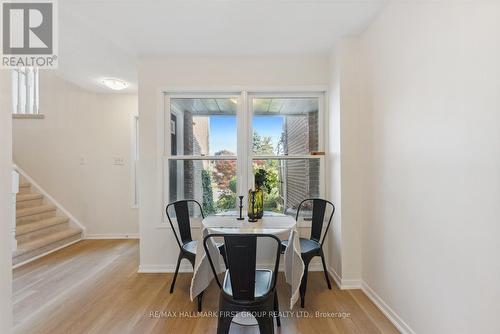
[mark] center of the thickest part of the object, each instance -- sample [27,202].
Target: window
[25,91]
[203,151]
[285,137]
[214,144]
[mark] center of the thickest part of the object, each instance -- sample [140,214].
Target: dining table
[280,225]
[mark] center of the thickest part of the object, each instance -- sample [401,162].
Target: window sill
[28,116]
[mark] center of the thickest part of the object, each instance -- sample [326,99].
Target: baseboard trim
[350,284]
[112,236]
[387,310]
[167,268]
[46,253]
[344,284]
[335,276]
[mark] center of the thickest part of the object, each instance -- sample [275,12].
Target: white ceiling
[105,38]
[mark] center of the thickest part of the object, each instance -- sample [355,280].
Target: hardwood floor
[93,287]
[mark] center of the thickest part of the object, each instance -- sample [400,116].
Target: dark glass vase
[257,211]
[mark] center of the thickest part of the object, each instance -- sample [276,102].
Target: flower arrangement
[262,181]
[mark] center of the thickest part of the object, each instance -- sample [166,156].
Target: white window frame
[321,131]
[244,132]
[167,156]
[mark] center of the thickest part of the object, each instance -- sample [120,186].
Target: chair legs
[181,256]
[200,299]
[176,272]
[303,284]
[200,296]
[276,309]
[264,313]
[325,271]
[266,324]
[224,323]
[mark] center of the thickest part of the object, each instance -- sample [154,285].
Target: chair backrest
[318,217]
[241,256]
[183,218]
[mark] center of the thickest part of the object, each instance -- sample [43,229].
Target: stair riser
[39,225]
[33,218]
[45,249]
[30,203]
[41,233]
[24,190]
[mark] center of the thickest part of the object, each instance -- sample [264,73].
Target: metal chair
[187,245]
[246,288]
[313,246]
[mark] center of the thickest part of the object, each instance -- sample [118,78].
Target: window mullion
[242,147]
[249,142]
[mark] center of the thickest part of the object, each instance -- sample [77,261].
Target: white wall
[431,235]
[348,161]
[80,123]
[158,247]
[6,207]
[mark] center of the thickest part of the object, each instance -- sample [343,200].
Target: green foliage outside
[272,196]
[262,145]
[228,199]
[222,177]
[208,195]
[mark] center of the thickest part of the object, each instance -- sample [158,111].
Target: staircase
[40,227]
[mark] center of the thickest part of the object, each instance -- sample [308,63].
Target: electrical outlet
[118,161]
[83,160]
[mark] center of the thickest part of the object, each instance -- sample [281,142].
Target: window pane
[285,126]
[211,182]
[203,126]
[289,182]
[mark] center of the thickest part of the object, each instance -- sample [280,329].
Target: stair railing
[14,191]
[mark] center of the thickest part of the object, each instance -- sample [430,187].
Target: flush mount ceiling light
[114,84]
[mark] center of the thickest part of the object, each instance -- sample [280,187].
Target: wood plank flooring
[93,287]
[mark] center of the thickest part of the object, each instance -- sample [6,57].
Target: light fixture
[114,84]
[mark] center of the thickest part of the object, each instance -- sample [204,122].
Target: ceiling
[261,106]
[106,38]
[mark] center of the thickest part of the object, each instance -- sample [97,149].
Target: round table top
[271,223]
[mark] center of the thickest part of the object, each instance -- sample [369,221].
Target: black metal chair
[187,245]
[246,288]
[313,246]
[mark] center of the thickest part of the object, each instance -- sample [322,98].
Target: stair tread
[24,185]
[33,244]
[39,224]
[28,197]
[34,210]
